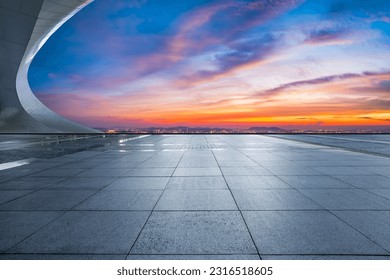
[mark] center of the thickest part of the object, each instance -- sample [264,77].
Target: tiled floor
[200,197]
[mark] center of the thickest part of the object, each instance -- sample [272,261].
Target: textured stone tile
[150,172]
[314,182]
[83,183]
[60,257]
[347,199]
[17,225]
[373,224]
[306,232]
[58,172]
[138,183]
[198,171]
[103,172]
[197,183]
[256,182]
[277,199]
[121,200]
[385,193]
[244,171]
[366,181]
[196,200]
[86,232]
[193,257]
[48,200]
[292,170]
[6,196]
[194,233]
[342,170]
[324,257]
[29,183]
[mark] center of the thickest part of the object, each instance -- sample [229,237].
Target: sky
[232,63]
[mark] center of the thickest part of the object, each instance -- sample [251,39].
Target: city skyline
[233,64]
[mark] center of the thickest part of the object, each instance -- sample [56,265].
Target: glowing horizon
[285,63]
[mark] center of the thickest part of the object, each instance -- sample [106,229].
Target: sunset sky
[286,63]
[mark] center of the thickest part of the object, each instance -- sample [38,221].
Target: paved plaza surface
[201,197]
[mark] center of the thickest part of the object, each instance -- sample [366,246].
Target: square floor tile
[104,172]
[150,172]
[9,195]
[343,170]
[366,181]
[17,225]
[197,183]
[193,257]
[277,199]
[61,257]
[373,224]
[196,200]
[314,182]
[194,233]
[58,172]
[86,232]
[121,200]
[244,171]
[346,199]
[198,162]
[255,182]
[29,183]
[198,171]
[292,170]
[138,183]
[83,183]
[306,232]
[48,200]
[385,193]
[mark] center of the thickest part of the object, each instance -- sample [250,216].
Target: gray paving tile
[292,170]
[342,170]
[277,163]
[381,170]
[324,257]
[48,200]
[60,257]
[159,163]
[29,183]
[138,183]
[276,199]
[58,172]
[234,161]
[314,182]
[385,193]
[121,200]
[256,182]
[193,257]
[306,232]
[194,233]
[83,183]
[118,165]
[347,199]
[196,200]
[366,181]
[150,172]
[373,224]
[103,172]
[197,183]
[17,225]
[197,171]
[244,171]
[85,232]
[198,162]
[9,195]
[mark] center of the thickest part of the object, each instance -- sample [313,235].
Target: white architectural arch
[25,26]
